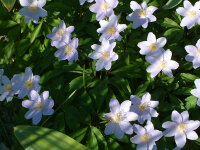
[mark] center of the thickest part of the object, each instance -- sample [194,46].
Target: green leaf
[191,102]
[171,4]
[36,32]
[79,134]
[188,76]
[170,23]
[34,138]
[8,4]
[76,83]
[92,141]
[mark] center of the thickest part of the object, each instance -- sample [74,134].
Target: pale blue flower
[119,118]
[196,92]
[38,106]
[163,63]
[32,10]
[26,83]
[144,107]
[111,29]
[103,8]
[146,136]
[152,45]
[104,53]
[83,1]
[193,54]
[181,128]
[69,51]
[191,14]
[61,35]
[6,90]
[141,15]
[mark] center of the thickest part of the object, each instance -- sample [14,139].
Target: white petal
[110,128]
[156,135]
[118,132]
[131,116]
[149,127]
[153,112]
[192,135]
[114,105]
[176,117]
[185,115]
[146,97]
[167,55]
[192,125]
[180,140]
[151,38]
[168,124]
[136,139]
[126,127]
[181,11]
[191,50]
[134,5]
[197,83]
[161,41]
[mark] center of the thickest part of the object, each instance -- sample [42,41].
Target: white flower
[196,92]
[110,29]
[104,53]
[32,10]
[146,137]
[191,13]
[193,54]
[141,15]
[119,118]
[144,107]
[181,128]
[152,45]
[163,63]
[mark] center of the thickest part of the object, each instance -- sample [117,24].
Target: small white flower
[144,107]
[181,128]
[104,53]
[32,10]
[191,14]
[119,118]
[193,54]
[163,63]
[196,92]
[146,137]
[111,29]
[152,45]
[141,15]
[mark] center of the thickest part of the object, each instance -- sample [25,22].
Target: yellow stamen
[28,84]
[142,13]
[104,55]
[143,106]
[191,14]
[32,8]
[161,65]
[38,106]
[104,6]
[182,128]
[59,33]
[153,47]
[111,30]
[118,117]
[145,138]
[68,49]
[8,87]
[198,52]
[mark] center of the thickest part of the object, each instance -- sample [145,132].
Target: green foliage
[42,138]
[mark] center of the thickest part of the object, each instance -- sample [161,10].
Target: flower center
[161,65]
[142,13]
[153,47]
[143,106]
[191,14]
[60,32]
[28,84]
[68,49]
[117,118]
[198,52]
[8,87]
[32,8]
[104,6]
[182,128]
[38,106]
[111,30]
[104,55]
[145,138]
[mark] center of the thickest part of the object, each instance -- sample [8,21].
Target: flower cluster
[159,59]
[141,110]
[61,39]
[26,85]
